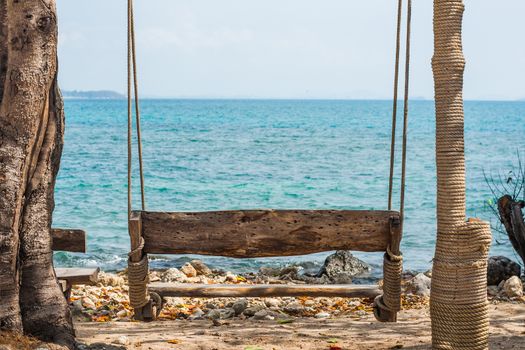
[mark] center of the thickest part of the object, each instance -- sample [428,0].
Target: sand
[411,332]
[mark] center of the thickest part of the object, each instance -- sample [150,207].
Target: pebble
[294,308]
[309,302]
[230,277]
[513,287]
[214,314]
[272,302]
[122,340]
[239,306]
[197,314]
[227,313]
[322,315]
[188,270]
[252,310]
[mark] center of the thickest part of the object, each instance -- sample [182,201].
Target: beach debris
[188,270]
[342,266]
[419,285]
[513,287]
[201,268]
[500,269]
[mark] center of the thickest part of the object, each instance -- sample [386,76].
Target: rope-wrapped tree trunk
[459,296]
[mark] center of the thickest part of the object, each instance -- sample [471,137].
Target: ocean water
[232,154]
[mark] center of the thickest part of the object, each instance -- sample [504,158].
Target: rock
[294,308]
[201,268]
[173,301]
[122,340]
[272,302]
[122,314]
[261,315]
[188,270]
[341,266]
[230,277]
[285,273]
[227,313]
[252,310]
[492,290]
[322,315]
[173,275]
[309,302]
[513,287]
[110,279]
[239,306]
[500,269]
[197,314]
[214,314]
[419,285]
[88,303]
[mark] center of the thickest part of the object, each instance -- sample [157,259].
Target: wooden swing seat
[263,233]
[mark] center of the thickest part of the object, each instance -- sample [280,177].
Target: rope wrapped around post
[138,278]
[459,305]
[388,304]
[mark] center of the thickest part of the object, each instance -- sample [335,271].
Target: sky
[340,49]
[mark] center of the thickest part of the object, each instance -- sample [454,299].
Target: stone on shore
[500,269]
[201,268]
[419,285]
[173,275]
[188,270]
[513,287]
[342,266]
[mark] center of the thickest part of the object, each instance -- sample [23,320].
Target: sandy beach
[411,332]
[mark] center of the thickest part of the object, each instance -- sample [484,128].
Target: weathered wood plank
[78,275]
[68,240]
[265,233]
[253,291]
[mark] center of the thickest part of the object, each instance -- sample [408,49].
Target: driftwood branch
[511,216]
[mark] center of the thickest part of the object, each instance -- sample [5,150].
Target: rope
[138,280]
[394,107]
[133,82]
[405,114]
[458,305]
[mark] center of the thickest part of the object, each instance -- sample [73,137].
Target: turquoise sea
[232,154]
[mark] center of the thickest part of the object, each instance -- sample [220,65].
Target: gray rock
[252,310]
[294,308]
[239,306]
[201,268]
[261,315]
[272,302]
[419,285]
[341,266]
[513,287]
[492,290]
[501,269]
[322,315]
[214,314]
[227,313]
[173,275]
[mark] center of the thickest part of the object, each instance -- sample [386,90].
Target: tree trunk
[31,138]
[511,216]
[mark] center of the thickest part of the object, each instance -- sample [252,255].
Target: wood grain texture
[252,291]
[78,275]
[266,233]
[68,240]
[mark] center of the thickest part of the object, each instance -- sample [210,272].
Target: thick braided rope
[138,279]
[392,270]
[458,294]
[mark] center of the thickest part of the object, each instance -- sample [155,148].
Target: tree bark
[31,132]
[511,216]
[45,311]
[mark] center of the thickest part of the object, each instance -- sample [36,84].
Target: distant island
[92,95]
